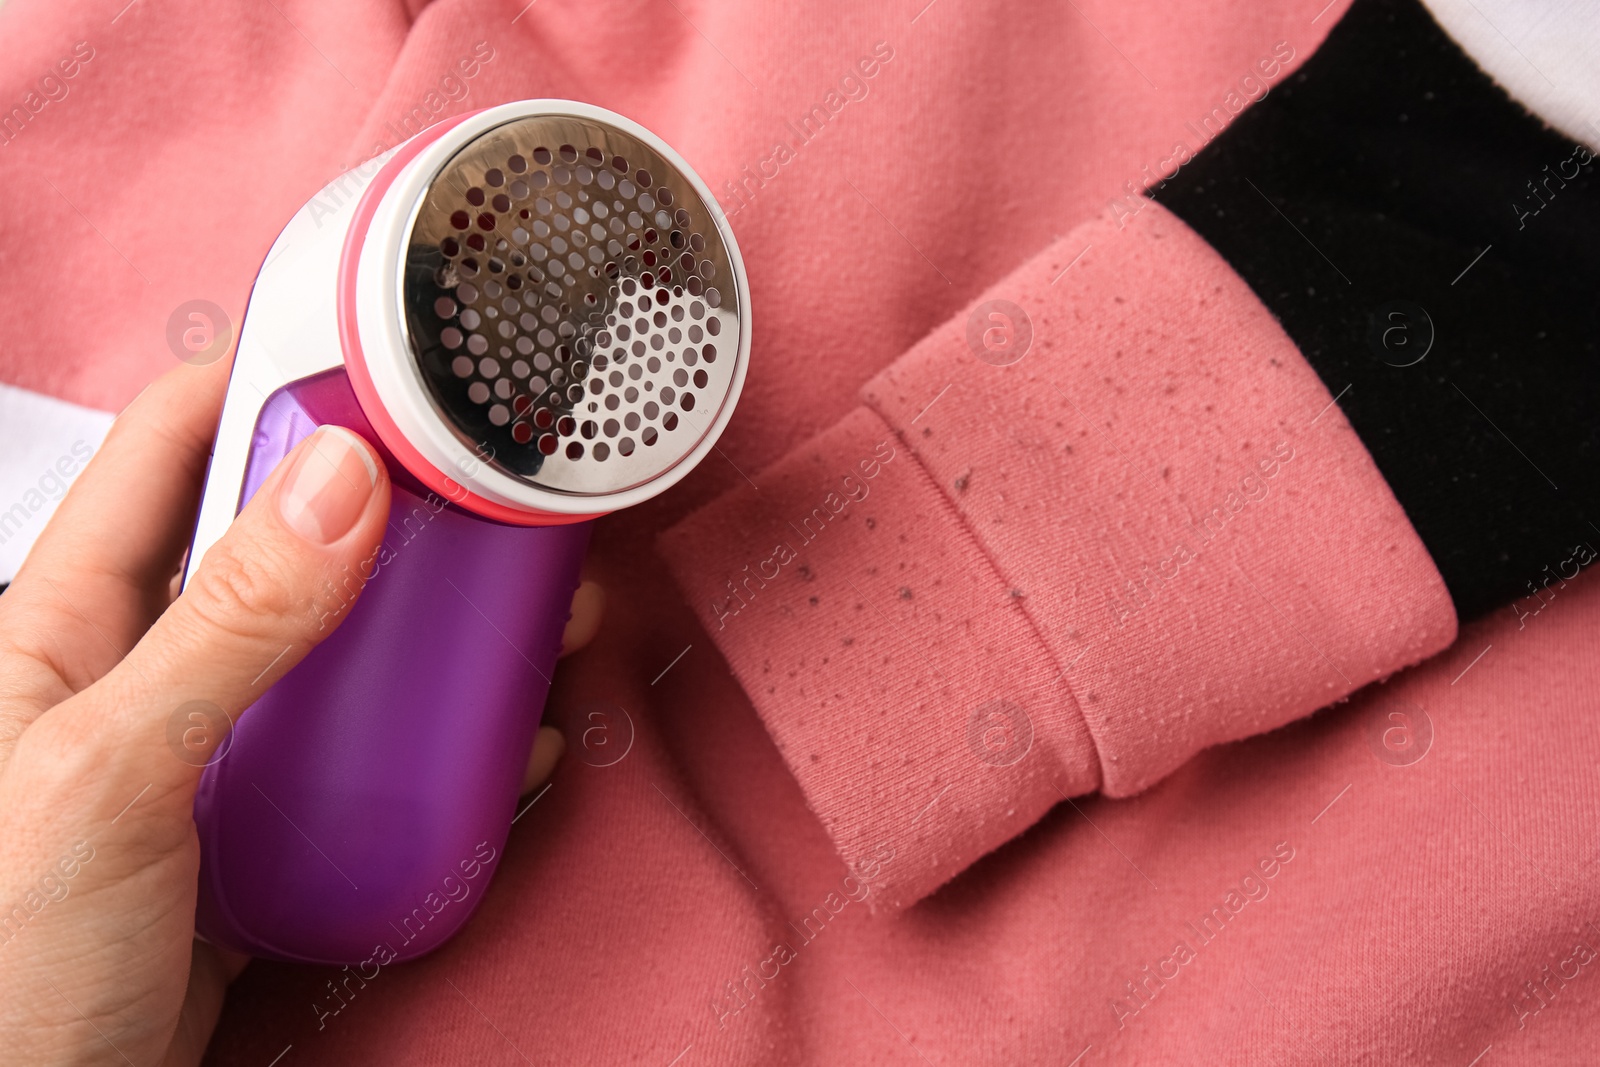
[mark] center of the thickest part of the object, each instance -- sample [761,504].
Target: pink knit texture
[1154,522]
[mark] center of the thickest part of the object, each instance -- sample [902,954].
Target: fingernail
[327,490]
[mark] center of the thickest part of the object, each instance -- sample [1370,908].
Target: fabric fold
[1105,517]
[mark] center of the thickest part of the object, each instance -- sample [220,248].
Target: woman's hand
[98,853]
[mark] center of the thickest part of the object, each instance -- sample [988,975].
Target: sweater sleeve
[1430,246]
[1101,519]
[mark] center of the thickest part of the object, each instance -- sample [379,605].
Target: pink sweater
[876,758]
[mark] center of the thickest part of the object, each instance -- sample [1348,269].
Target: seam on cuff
[965,525]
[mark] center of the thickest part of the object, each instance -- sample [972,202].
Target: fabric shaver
[537,314]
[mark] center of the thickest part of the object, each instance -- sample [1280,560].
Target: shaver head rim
[382,367]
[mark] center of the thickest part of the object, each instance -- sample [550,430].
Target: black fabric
[1351,199]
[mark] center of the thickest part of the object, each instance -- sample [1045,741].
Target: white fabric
[44,444]
[1545,53]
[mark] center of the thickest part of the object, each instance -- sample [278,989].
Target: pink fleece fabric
[995,587]
[975,686]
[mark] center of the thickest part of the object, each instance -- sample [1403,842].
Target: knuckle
[60,746]
[246,591]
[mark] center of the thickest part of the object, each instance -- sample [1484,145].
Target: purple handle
[360,806]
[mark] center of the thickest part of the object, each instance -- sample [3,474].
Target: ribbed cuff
[922,715]
[1060,550]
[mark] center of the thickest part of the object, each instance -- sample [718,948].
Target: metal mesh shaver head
[571,306]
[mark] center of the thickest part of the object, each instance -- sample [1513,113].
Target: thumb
[256,604]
